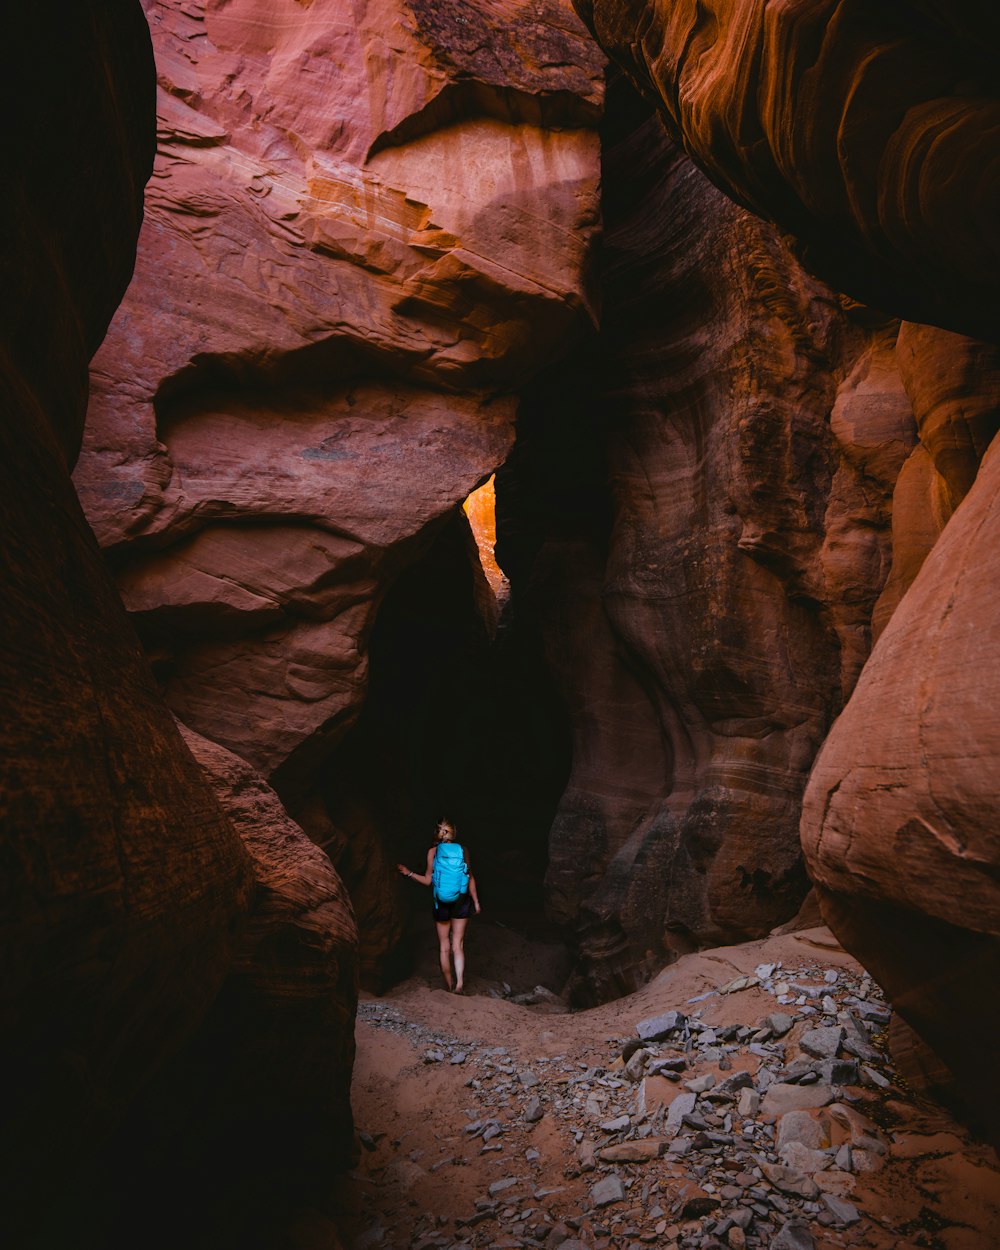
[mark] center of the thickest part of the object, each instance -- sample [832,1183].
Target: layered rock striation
[366,228]
[752,432]
[867,131]
[872,136]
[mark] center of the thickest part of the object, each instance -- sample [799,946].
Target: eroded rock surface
[364,222]
[753,432]
[869,134]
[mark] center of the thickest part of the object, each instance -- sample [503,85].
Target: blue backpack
[450,876]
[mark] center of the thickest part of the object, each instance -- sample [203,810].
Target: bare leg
[444,949]
[458,950]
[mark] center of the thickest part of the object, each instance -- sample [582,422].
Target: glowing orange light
[480,508]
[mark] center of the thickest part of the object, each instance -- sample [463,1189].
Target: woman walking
[454,897]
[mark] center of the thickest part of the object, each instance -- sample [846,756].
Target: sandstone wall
[868,131]
[752,431]
[871,134]
[122,878]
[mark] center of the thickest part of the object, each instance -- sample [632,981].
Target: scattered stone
[700,1084]
[782,1097]
[831,976]
[794,1236]
[532,1155]
[528,1079]
[498,1187]
[749,1103]
[872,1077]
[617,1125]
[433,1056]
[842,1211]
[534,1111]
[823,1043]
[586,1156]
[805,1129]
[367,1141]
[658,1028]
[789,1181]
[633,1151]
[607,1190]
[804,1159]
[779,1022]
[682,1105]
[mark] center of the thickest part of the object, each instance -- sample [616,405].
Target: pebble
[658,1028]
[794,1236]
[607,1190]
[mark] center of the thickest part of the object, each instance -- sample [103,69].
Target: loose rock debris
[764,1113]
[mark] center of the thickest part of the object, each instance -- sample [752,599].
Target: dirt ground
[433,1068]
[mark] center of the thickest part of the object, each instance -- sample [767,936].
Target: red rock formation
[872,135]
[363,222]
[899,819]
[122,879]
[868,132]
[754,434]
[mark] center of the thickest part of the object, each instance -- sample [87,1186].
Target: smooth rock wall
[752,431]
[868,131]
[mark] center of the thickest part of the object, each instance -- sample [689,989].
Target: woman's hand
[403,869]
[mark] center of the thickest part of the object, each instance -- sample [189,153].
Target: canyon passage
[574,422]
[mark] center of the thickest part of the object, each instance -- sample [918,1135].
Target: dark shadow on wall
[456,723]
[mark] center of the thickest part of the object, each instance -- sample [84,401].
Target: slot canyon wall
[389,250]
[141,915]
[870,133]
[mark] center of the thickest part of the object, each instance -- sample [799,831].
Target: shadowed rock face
[122,879]
[871,133]
[753,433]
[868,131]
[359,229]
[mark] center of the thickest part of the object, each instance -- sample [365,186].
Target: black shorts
[461,909]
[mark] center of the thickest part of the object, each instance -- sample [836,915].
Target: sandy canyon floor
[769,1116]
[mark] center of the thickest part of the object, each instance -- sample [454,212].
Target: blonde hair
[445,831]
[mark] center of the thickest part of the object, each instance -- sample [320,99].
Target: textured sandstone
[899,821]
[281,1034]
[704,645]
[364,221]
[122,879]
[868,133]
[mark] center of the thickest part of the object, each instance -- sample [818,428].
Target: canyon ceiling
[751,640]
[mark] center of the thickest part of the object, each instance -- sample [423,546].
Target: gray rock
[656,1028]
[458,1057]
[823,1043]
[528,1079]
[433,1056]
[780,1098]
[838,1071]
[682,1105]
[779,1022]
[586,1156]
[842,1211]
[498,1187]
[875,1078]
[700,1084]
[789,1181]
[873,1012]
[807,1130]
[532,1155]
[843,1159]
[794,1236]
[534,1111]
[617,1125]
[607,1190]
[749,1103]
[831,976]
[636,1065]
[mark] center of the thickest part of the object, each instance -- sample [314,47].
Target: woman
[450,917]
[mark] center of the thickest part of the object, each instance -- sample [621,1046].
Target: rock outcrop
[872,136]
[753,432]
[367,227]
[869,133]
[122,878]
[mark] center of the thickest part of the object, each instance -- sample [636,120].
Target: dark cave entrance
[460,720]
